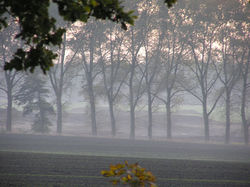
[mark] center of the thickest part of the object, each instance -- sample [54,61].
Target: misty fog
[178,73]
[165,102]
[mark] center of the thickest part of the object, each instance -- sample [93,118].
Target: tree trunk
[93,119]
[131,102]
[227,135]
[112,117]
[92,108]
[9,112]
[169,120]
[132,122]
[59,113]
[9,100]
[150,116]
[206,122]
[132,109]
[243,111]
[60,88]
[41,110]
[246,133]
[93,116]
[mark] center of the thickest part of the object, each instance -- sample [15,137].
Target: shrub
[130,174]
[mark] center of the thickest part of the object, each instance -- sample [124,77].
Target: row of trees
[197,47]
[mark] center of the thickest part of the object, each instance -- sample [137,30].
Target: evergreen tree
[33,96]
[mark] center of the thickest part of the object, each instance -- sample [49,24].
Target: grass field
[29,160]
[187,122]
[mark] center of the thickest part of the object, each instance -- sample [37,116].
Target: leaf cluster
[38,29]
[39,32]
[170,3]
[131,174]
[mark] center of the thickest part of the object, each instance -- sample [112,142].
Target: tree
[113,69]
[135,90]
[33,96]
[60,76]
[242,56]
[171,54]
[232,30]
[228,71]
[245,71]
[149,64]
[201,40]
[39,32]
[11,78]
[231,54]
[86,44]
[151,69]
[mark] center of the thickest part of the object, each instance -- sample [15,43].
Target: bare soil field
[39,160]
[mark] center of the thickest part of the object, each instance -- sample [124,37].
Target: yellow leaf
[112,173]
[114,182]
[142,178]
[103,172]
[121,171]
[106,173]
[93,3]
[126,163]
[129,177]
[119,166]
[87,9]
[113,167]
[153,185]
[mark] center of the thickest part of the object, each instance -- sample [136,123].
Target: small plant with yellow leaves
[130,174]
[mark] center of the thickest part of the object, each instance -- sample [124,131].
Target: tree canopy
[38,29]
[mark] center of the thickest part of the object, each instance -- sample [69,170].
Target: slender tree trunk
[59,113]
[206,122]
[132,108]
[112,117]
[243,111]
[60,88]
[41,113]
[132,111]
[244,120]
[150,115]
[131,102]
[92,109]
[169,120]
[132,122]
[93,118]
[9,100]
[227,135]
[150,123]
[9,112]
[246,133]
